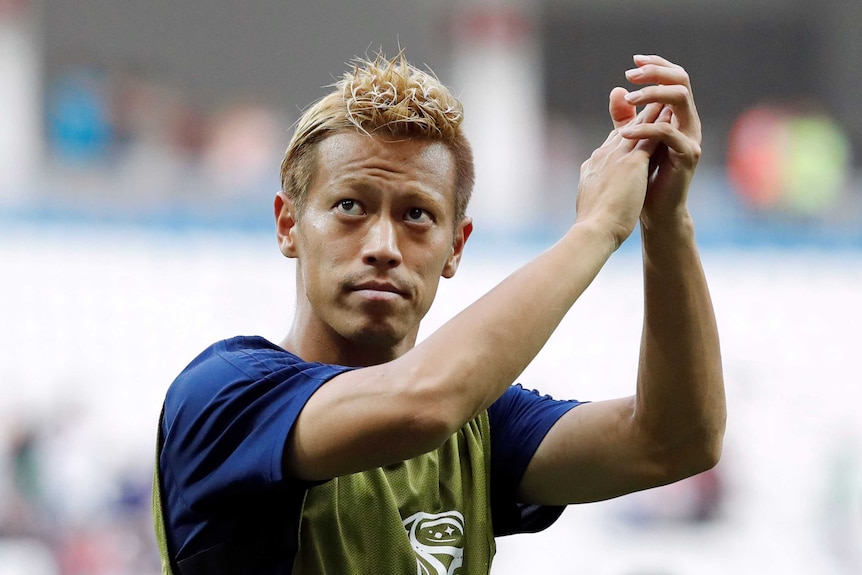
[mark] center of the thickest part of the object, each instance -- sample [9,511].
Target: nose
[381,244]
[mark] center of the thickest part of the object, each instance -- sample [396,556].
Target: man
[347,448]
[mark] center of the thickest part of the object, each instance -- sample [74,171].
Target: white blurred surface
[98,324]
[25,557]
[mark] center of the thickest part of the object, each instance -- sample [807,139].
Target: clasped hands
[643,169]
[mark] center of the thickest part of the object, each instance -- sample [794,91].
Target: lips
[379,287]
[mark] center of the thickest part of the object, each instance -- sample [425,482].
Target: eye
[349,207]
[419,216]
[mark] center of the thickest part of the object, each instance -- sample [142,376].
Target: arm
[680,382]
[674,425]
[390,412]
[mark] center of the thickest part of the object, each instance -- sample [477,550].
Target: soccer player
[346,448]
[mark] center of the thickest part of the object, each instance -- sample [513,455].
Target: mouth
[379,290]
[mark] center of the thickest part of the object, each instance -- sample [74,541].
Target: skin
[411,398]
[374,239]
[673,427]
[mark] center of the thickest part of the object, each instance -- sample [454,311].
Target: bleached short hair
[381,97]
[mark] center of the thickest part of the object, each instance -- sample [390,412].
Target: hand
[677,130]
[613,181]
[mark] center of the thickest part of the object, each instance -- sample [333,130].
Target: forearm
[396,410]
[471,360]
[680,395]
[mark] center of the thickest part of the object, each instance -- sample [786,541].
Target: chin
[378,336]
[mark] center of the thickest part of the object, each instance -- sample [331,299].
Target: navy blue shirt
[227,417]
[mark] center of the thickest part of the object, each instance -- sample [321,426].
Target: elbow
[707,455]
[698,448]
[434,404]
[429,430]
[696,455]
[427,419]
[710,441]
[677,454]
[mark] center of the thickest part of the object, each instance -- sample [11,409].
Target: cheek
[319,276]
[316,269]
[431,276]
[322,246]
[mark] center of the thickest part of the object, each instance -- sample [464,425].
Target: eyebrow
[411,191]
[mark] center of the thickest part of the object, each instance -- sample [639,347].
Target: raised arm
[680,383]
[390,412]
[673,427]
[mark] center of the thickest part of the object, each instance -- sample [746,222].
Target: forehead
[421,163]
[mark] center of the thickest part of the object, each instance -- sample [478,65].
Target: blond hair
[388,97]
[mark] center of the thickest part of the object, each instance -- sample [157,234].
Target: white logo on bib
[438,540]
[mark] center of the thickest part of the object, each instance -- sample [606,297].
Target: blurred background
[139,153]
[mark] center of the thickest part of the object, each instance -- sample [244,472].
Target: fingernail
[634,73]
[632,96]
[627,131]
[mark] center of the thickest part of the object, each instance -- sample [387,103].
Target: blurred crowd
[131,136]
[65,507]
[130,141]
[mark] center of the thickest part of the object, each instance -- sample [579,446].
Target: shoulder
[519,421]
[236,403]
[253,356]
[245,368]
[519,403]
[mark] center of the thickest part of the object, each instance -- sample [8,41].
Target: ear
[285,224]
[462,233]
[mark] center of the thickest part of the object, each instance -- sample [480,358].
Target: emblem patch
[438,540]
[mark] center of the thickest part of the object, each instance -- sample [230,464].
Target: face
[374,238]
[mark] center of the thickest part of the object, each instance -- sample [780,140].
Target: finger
[653,114]
[677,97]
[656,113]
[640,59]
[654,69]
[657,70]
[663,132]
[649,114]
[651,74]
[621,111]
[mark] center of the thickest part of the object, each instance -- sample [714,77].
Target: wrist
[671,222]
[603,240]
[666,240]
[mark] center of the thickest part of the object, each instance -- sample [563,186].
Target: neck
[345,352]
[314,342]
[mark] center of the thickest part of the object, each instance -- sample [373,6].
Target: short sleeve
[227,417]
[519,421]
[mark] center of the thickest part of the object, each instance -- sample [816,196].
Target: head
[376,182]
[381,97]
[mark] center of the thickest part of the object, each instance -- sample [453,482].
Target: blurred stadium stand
[177,116]
[139,153]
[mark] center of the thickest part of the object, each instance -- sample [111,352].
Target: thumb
[621,111]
